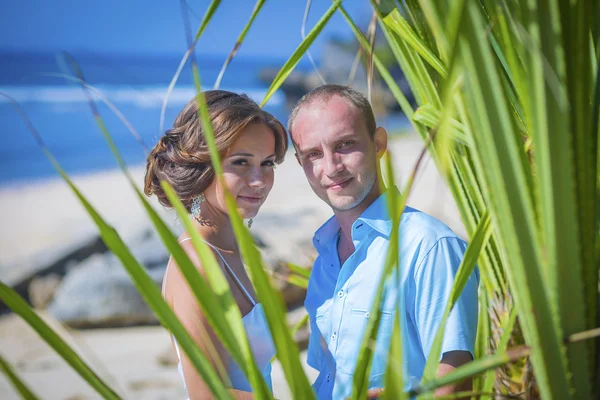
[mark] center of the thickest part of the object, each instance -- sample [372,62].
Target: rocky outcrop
[98,292]
[26,279]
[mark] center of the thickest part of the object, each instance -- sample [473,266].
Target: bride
[251,142]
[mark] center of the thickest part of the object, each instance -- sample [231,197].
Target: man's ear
[381,141]
[298,159]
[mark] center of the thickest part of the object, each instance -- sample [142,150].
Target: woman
[251,142]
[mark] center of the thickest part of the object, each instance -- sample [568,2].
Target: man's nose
[333,164]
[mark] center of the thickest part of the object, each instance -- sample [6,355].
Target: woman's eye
[240,162]
[269,163]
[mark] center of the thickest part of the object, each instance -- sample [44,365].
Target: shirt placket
[341,293]
[337,306]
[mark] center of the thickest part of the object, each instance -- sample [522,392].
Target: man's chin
[343,203]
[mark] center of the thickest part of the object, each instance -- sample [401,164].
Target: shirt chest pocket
[352,339]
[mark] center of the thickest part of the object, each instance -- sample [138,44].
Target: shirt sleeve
[434,278]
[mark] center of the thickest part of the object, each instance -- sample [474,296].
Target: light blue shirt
[339,298]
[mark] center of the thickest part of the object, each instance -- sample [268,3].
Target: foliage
[508,99]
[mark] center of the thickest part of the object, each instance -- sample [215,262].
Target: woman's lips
[250,199]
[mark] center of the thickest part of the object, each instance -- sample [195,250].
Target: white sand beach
[43,219]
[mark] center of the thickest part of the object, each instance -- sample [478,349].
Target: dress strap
[233,275]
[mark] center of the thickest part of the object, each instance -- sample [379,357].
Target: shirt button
[341,294]
[333,337]
[367,314]
[328,377]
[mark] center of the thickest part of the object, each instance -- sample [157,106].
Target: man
[339,147]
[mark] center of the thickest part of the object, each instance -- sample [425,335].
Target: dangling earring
[195,209]
[250,221]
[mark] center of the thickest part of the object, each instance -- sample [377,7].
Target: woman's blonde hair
[181,156]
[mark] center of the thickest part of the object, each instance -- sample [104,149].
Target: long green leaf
[395,208]
[227,325]
[226,320]
[472,369]
[511,205]
[430,117]
[271,301]
[143,282]
[287,351]
[394,379]
[385,74]
[21,308]
[238,43]
[502,346]
[555,190]
[466,268]
[205,20]
[302,271]
[291,63]
[399,25]
[483,337]
[19,385]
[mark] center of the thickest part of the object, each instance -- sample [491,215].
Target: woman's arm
[185,305]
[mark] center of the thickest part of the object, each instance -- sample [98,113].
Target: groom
[339,147]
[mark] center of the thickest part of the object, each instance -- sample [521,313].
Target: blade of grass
[302,271]
[396,206]
[303,34]
[511,206]
[430,117]
[238,43]
[394,377]
[205,20]
[394,380]
[291,63]
[226,319]
[229,329]
[385,74]
[21,308]
[271,301]
[556,192]
[143,282]
[502,346]
[466,268]
[18,384]
[398,24]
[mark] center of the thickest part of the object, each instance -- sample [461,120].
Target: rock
[99,293]
[42,289]
[149,250]
[54,262]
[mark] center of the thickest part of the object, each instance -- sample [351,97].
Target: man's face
[337,153]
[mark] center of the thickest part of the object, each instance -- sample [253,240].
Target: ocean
[59,110]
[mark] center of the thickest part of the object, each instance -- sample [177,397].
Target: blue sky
[156,27]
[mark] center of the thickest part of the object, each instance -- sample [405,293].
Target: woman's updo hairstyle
[181,156]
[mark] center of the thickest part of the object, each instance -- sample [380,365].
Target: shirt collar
[375,216]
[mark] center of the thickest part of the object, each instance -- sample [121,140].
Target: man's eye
[347,143]
[313,154]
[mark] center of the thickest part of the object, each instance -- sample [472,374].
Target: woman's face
[248,168]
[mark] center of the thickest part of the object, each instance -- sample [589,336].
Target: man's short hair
[326,92]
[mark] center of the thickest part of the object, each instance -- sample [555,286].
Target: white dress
[259,338]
